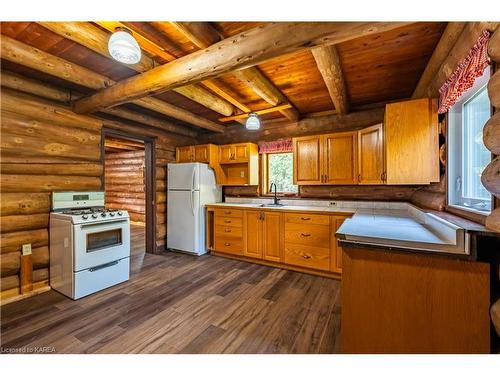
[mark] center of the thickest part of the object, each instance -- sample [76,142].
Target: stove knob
[103,214]
[111,214]
[85,217]
[120,213]
[94,216]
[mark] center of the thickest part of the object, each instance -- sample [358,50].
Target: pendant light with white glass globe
[123,47]
[253,122]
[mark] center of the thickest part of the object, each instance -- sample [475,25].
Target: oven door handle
[101,223]
[106,265]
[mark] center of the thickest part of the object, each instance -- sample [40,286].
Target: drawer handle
[227,230]
[227,244]
[227,221]
[227,212]
[305,218]
[306,256]
[305,234]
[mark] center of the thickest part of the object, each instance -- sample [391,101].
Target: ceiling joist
[443,48]
[203,35]
[245,50]
[154,49]
[278,108]
[328,62]
[90,36]
[33,58]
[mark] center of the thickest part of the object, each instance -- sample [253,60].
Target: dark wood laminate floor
[176,303]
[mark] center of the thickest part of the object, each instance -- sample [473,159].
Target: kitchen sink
[272,205]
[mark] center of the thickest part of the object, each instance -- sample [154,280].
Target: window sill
[468,213]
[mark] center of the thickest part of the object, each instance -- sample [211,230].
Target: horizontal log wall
[43,148]
[46,147]
[120,177]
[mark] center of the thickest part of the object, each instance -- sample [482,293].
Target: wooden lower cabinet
[253,224]
[228,231]
[302,241]
[271,239]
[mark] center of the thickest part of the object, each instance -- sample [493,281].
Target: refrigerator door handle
[192,202]
[192,179]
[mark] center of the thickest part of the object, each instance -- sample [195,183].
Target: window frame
[265,176]
[465,212]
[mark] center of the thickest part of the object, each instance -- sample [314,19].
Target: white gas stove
[89,244]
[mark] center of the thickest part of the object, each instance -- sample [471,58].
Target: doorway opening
[129,184]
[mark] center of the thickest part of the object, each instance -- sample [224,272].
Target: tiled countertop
[383,224]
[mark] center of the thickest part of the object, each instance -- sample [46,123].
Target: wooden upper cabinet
[198,153]
[241,153]
[184,154]
[371,155]
[226,154]
[202,153]
[340,158]
[307,160]
[411,142]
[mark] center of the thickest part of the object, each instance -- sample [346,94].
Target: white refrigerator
[190,187]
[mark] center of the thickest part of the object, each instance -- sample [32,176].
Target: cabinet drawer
[226,231]
[308,235]
[228,221]
[229,245]
[306,256]
[307,219]
[228,212]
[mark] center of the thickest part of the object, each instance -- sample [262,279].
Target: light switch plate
[27,249]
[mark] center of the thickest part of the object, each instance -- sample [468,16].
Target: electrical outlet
[333,203]
[242,174]
[27,249]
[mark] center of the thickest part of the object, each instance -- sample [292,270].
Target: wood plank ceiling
[377,68]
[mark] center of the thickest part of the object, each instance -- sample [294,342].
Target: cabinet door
[370,155]
[411,142]
[271,238]
[307,163]
[184,154]
[201,154]
[240,153]
[336,258]
[253,233]
[340,158]
[226,153]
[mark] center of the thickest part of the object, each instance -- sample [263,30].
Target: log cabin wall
[125,184]
[46,147]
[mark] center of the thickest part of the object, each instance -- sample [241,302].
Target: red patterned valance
[466,73]
[281,145]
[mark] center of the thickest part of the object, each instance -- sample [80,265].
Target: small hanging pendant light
[123,47]
[253,122]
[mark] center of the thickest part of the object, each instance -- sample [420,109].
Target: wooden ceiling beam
[241,51]
[468,37]
[203,35]
[259,112]
[44,90]
[92,37]
[442,50]
[328,62]
[155,49]
[33,58]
